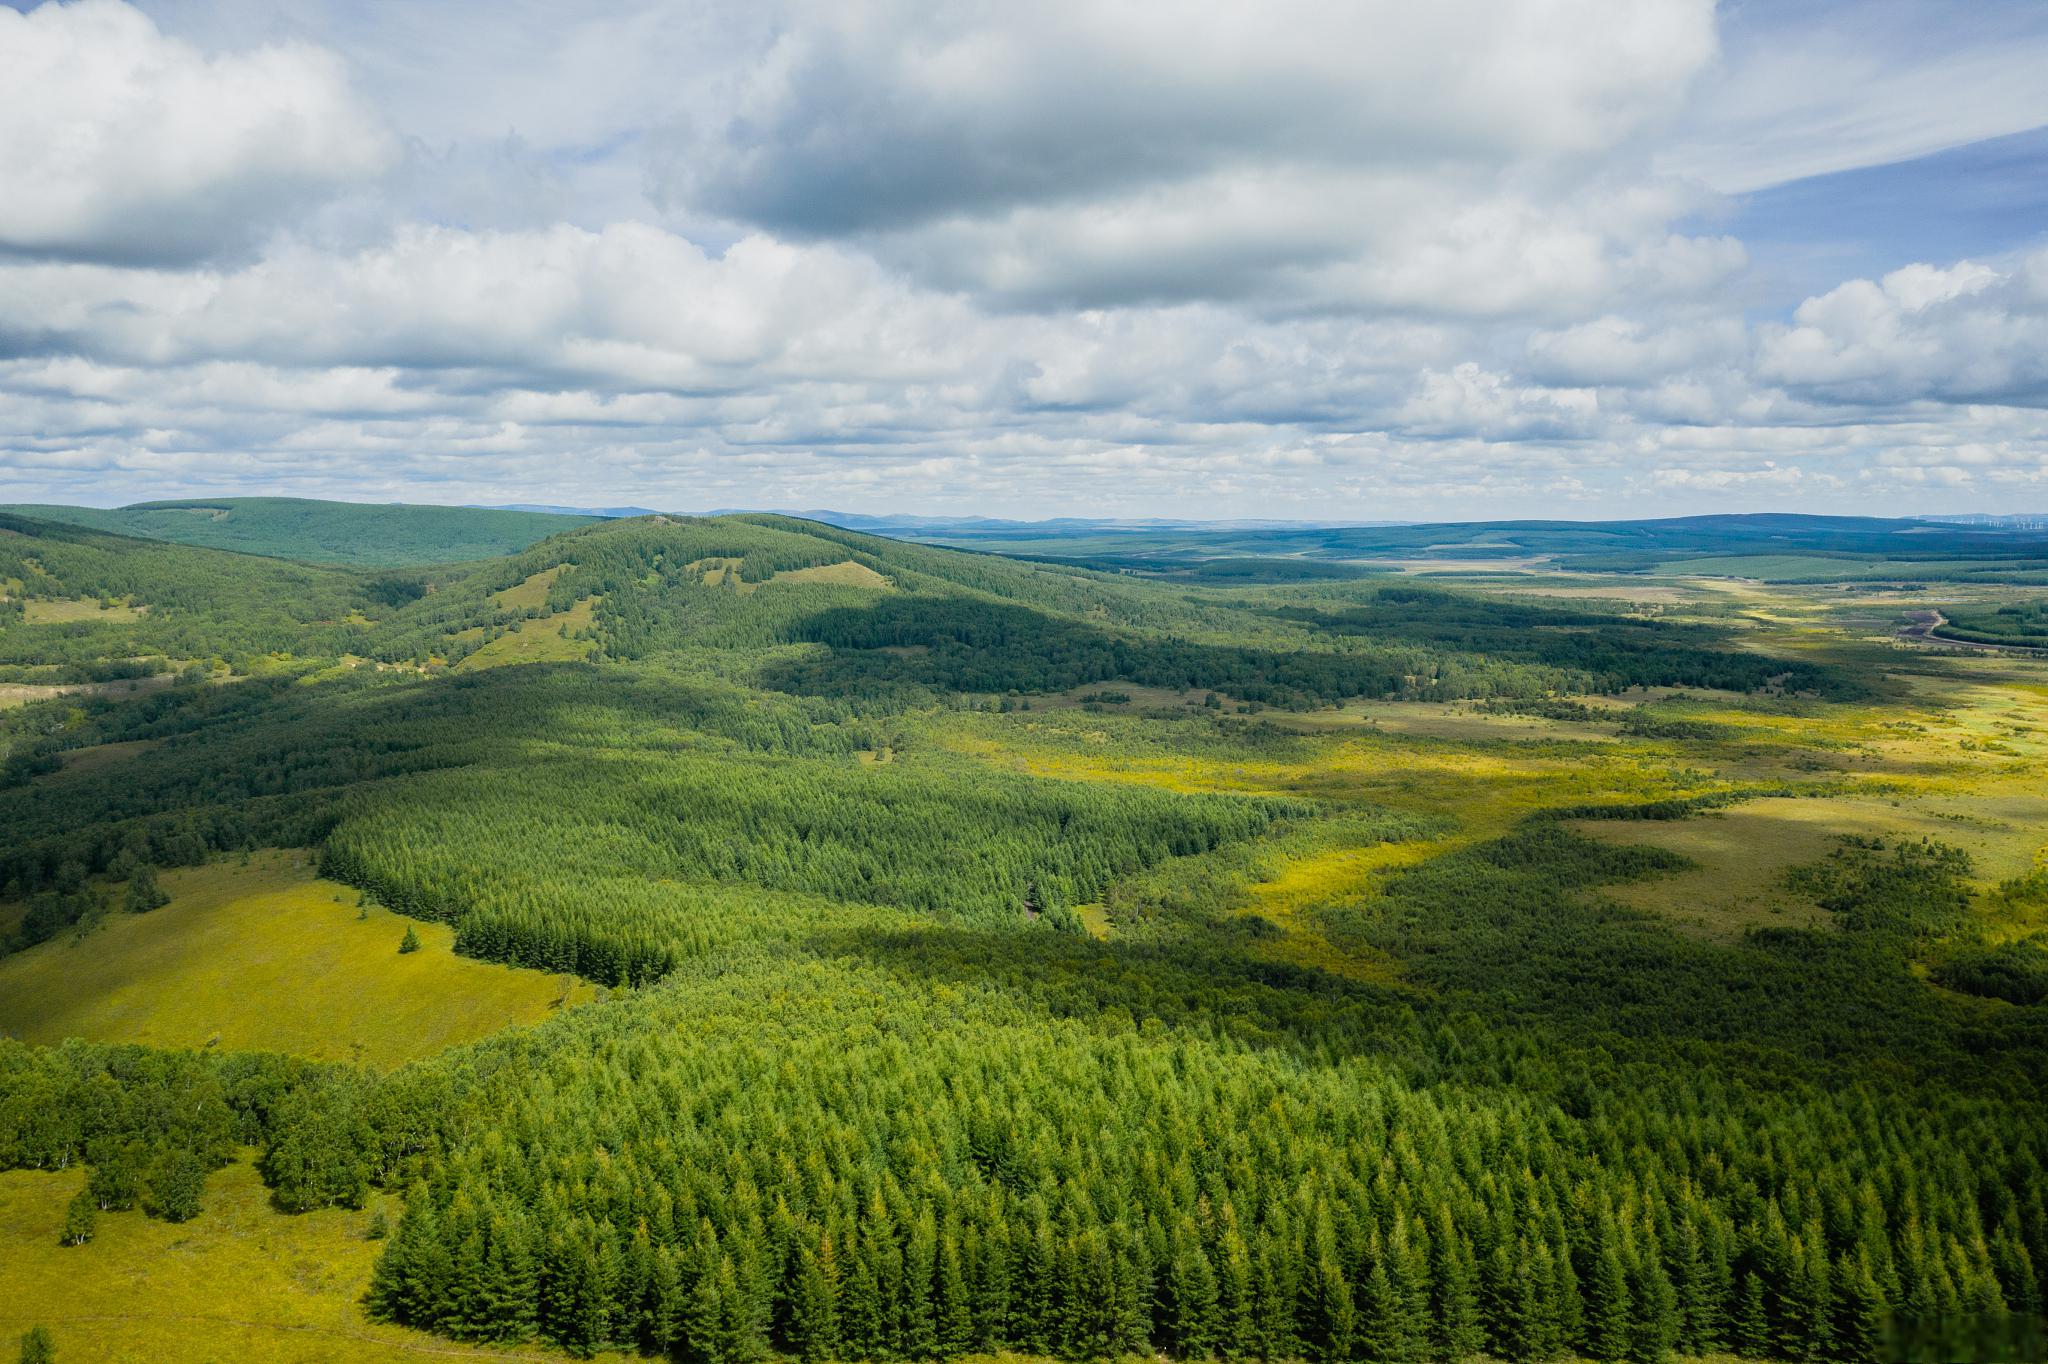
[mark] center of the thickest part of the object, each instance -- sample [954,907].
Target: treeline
[1408,642]
[2017,624]
[1612,652]
[907,646]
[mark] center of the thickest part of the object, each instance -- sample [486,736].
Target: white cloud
[119,143]
[1363,260]
[1970,332]
[1438,157]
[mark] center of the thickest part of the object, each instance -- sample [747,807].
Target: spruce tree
[1455,1329]
[410,942]
[1653,1309]
[1607,1307]
[1752,1327]
[1859,1313]
[862,1313]
[1190,1302]
[813,1312]
[1327,1316]
[37,1347]
[953,1302]
[1379,1327]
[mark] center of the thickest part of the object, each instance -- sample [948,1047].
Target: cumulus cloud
[119,143]
[1373,155]
[1366,260]
[884,113]
[1969,332]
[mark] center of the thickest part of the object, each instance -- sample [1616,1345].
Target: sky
[1370,260]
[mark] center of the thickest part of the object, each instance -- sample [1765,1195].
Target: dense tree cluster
[2024,624]
[614,869]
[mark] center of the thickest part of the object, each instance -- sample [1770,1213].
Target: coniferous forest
[1007,956]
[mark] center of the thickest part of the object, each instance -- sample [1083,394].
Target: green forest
[1002,955]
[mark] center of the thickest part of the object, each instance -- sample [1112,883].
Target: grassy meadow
[262,955]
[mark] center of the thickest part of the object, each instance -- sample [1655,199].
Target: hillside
[316,532]
[1001,955]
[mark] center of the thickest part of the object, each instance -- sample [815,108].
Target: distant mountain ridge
[319,532]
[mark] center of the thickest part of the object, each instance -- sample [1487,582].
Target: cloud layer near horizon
[1339,261]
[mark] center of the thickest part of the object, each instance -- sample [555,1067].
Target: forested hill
[892,618]
[322,532]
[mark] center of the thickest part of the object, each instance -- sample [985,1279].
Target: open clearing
[551,639]
[65,611]
[24,693]
[1435,720]
[1740,860]
[847,574]
[267,957]
[530,594]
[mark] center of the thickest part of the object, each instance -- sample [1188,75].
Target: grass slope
[266,957]
[324,532]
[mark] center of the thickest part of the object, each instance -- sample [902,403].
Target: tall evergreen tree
[1607,1306]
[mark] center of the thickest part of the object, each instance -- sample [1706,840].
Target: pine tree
[1859,1313]
[410,942]
[79,1217]
[953,1303]
[1752,1326]
[1653,1309]
[1607,1306]
[1455,1329]
[37,1347]
[813,1313]
[1190,1302]
[1328,1317]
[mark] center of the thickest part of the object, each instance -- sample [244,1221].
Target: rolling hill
[311,531]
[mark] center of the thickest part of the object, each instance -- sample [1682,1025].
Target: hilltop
[323,532]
